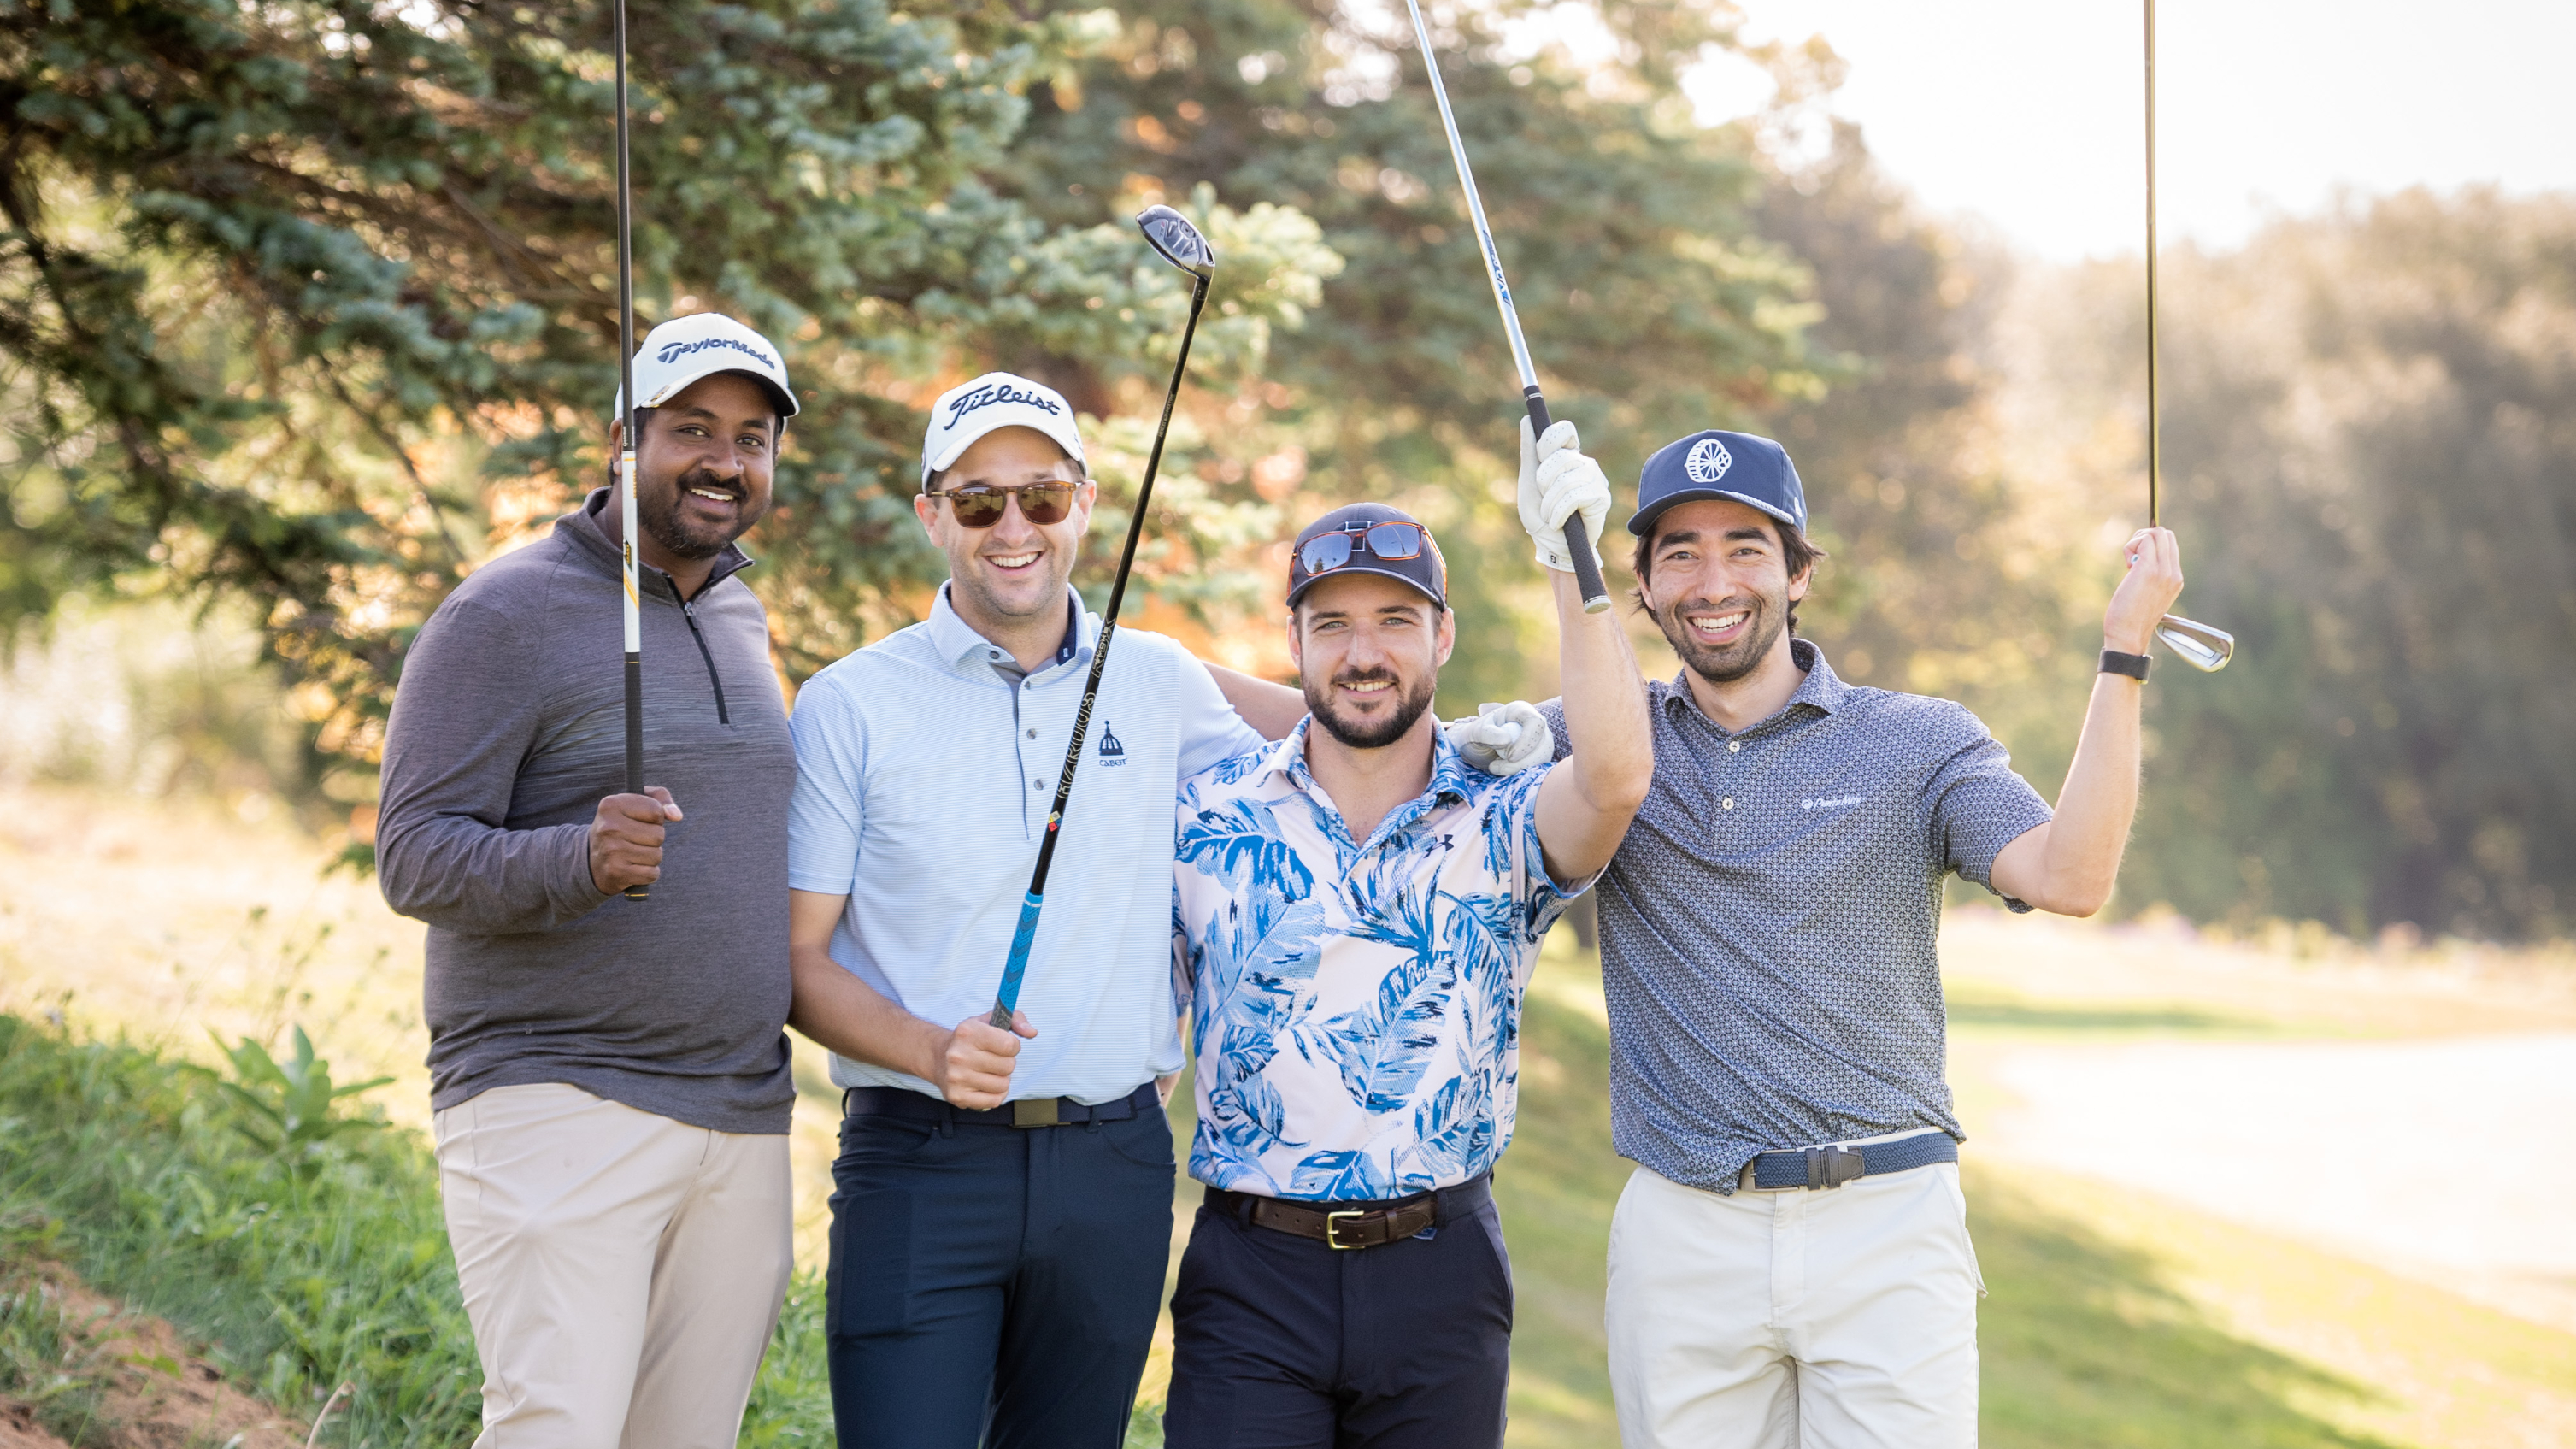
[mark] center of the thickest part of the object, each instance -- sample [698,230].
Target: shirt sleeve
[466,714]
[826,815]
[1210,729]
[1978,805]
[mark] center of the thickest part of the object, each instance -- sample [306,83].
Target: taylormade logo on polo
[1836,803]
[1000,392]
[1708,461]
[673,351]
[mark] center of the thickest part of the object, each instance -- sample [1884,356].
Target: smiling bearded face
[703,474]
[1719,587]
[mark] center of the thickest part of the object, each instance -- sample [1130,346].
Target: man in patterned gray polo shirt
[1789,1265]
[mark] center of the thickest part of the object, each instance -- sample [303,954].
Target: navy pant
[994,1284]
[1280,1342]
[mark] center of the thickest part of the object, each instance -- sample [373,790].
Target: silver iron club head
[2198,645]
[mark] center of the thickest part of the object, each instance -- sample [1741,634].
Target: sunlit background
[2264,1156]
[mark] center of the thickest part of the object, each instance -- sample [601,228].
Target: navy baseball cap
[1367,538]
[1714,464]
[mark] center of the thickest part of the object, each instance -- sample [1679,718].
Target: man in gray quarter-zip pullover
[610,1077]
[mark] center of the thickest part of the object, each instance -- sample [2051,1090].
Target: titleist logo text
[1000,392]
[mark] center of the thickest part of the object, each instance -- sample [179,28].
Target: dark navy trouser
[1279,1342]
[994,1284]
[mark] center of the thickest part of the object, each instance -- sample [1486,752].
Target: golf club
[1578,543]
[1176,241]
[2198,645]
[627,443]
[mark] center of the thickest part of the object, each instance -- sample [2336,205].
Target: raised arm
[1585,804]
[2069,864]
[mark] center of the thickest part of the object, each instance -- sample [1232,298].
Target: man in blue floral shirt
[1356,917]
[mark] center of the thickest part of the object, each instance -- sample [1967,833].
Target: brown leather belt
[1347,1226]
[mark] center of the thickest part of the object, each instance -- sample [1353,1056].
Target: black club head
[1170,233]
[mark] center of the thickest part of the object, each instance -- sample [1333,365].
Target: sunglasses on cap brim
[1328,551]
[980,505]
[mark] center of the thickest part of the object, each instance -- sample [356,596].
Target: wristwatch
[2133,665]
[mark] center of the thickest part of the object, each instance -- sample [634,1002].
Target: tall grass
[301,1270]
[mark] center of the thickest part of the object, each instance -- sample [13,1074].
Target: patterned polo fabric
[1769,928]
[1357,1005]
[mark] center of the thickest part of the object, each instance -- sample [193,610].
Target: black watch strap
[2133,665]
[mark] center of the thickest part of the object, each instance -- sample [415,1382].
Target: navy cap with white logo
[1367,538]
[1715,464]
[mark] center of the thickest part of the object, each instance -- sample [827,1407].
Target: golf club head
[1170,233]
[2198,645]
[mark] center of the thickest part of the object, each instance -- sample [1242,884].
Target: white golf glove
[1503,739]
[1557,482]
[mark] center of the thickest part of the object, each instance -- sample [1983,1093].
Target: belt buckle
[1332,1230]
[1035,1112]
[1833,1166]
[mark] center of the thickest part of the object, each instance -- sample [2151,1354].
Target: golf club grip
[1023,936]
[1578,543]
[635,745]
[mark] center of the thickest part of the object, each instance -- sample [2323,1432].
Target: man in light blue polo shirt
[988,1283]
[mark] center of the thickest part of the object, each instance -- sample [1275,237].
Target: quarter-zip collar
[584,527]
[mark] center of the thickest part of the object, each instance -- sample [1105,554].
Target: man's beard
[1371,734]
[1728,663]
[659,512]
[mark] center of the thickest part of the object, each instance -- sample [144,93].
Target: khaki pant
[622,1271]
[1829,1319]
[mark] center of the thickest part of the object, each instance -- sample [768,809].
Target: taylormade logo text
[999,392]
[673,351]
[1836,803]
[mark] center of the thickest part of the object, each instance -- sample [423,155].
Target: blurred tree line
[2370,435]
[309,307]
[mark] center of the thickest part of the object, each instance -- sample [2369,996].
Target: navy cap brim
[1644,518]
[1355,566]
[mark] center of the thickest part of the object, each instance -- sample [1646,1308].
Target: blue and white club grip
[1018,966]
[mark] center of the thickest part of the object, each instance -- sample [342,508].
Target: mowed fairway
[2191,1233]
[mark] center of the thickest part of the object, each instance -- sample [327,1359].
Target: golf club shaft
[2198,645]
[1024,935]
[2155,425]
[1578,542]
[627,442]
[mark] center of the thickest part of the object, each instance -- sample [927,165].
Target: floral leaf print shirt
[1356,1003]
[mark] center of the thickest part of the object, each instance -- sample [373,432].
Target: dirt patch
[115,1379]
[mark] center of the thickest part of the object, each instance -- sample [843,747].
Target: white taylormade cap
[996,400]
[684,349]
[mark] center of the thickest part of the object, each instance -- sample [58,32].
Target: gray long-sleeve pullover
[508,728]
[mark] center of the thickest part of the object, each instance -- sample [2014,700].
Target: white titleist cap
[684,349]
[996,400]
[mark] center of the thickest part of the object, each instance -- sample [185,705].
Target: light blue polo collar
[959,644]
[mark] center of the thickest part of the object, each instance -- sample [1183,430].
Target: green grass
[2114,1320]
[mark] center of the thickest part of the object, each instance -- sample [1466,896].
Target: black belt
[1348,1225]
[913,1106]
[1816,1167]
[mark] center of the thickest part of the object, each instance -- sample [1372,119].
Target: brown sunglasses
[980,505]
